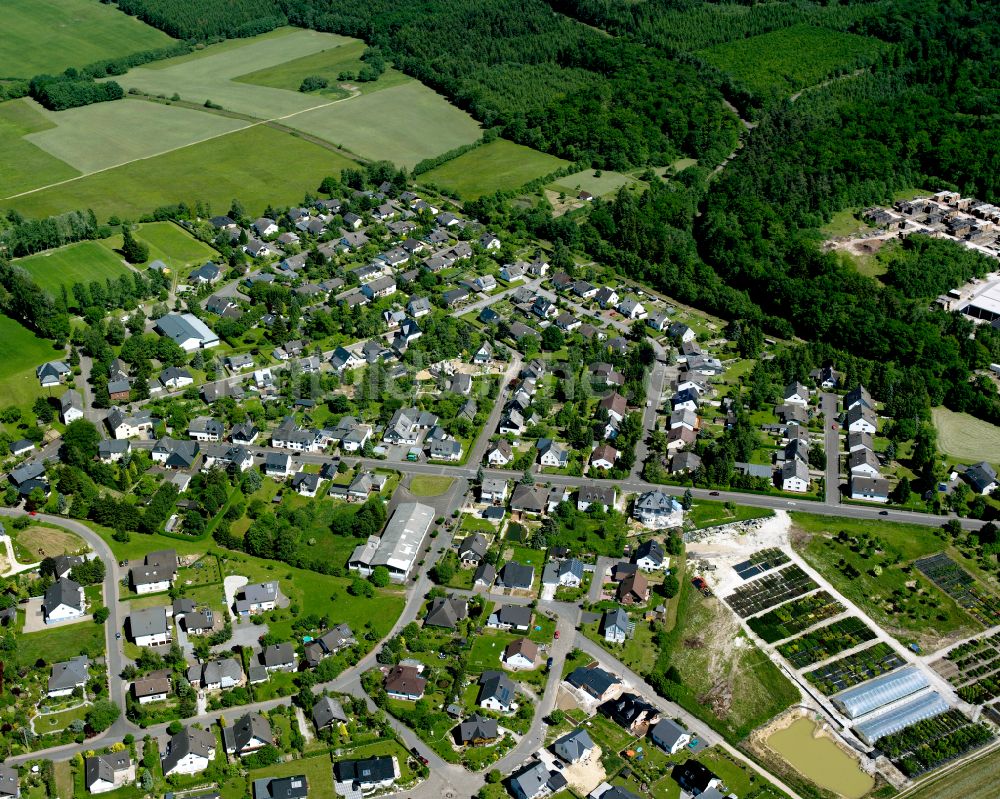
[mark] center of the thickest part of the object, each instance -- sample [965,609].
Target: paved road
[829,404]
[654,396]
[483,442]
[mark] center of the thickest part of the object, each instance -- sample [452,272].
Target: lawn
[318,771]
[61,643]
[598,183]
[282,170]
[707,513]
[26,165]
[373,127]
[500,165]
[20,352]
[329,63]
[427,486]
[845,223]
[487,649]
[389,747]
[212,76]
[81,262]
[876,573]
[40,542]
[50,35]
[57,722]
[965,437]
[169,243]
[779,62]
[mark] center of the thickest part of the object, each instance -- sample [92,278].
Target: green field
[424,486]
[170,244]
[212,75]
[974,780]
[404,124]
[50,35]
[500,165]
[61,643]
[589,180]
[25,165]
[74,263]
[282,168]
[105,135]
[326,63]
[318,771]
[965,437]
[20,352]
[708,513]
[782,61]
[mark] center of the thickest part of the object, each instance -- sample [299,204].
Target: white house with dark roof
[63,601]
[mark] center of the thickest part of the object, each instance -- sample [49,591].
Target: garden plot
[760,562]
[826,642]
[930,743]
[770,590]
[854,669]
[962,587]
[974,669]
[795,616]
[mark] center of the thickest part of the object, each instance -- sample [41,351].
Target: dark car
[713,493]
[883,513]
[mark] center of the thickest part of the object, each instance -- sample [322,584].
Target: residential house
[52,373]
[190,751]
[536,780]
[245,433]
[871,489]
[795,476]
[256,598]
[445,612]
[175,378]
[175,454]
[476,731]
[471,550]
[594,681]
[485,575]
[658,321]
[616,406]
[510,617]
[500,453]
[331,642]
[367,775]
[71,406]
[858,441]
[694,777]
[265,227]
[574,746]
[658,509]
[859,397]
[294,787]
[569,573]
[603,457]
[519,654]
[615,625]
[306,484]
[63,600]
[632,309]
[10,783]
[680,331]
[418,306]
[405,682]
[103,773]
[649,556]
[187,331]
[864,463]
[250,733]
[123,426]
[796,394]
[670,736]
[67,676]
[493,489]
[278,466]
[517,576]
[496,692]
[554,454]
[687,462]
[327,712]
[205,428]
[156,572]
[631,712]
[150,627]
[862,419]
[982,477]
[633,590]
[605,496]
[278,657]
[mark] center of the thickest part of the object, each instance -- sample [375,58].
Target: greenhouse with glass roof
[923,707]
[861,699]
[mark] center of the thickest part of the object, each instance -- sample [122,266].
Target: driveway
[245,634]
[232,586]
[34,617]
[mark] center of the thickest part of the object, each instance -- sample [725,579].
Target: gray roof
[517,575]
[497,685]
[245,729]
[181,327]
[615,618]
[514,615]
[69,674]
[476,728]
[366,771]
[63,592]
[326,711]
[278,655]
[574,745]
[667,732]
[446,612]
[188,741]
[104,767]
[9,782]
[148,621]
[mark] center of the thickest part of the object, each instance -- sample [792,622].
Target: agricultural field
[26,165]
[961,586]
[500,165]
[212,76]
[974,669]
[282,170]
[795,616]
[778,63]
[855,668]
[871,563]
[770,590]
[81,262]
[75,33]
[404,124]
[104,135]
[21,351]
[38,542]
[973,780]
[826,642]
[966,438]
[344,57]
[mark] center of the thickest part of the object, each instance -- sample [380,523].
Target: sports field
[327,64]
[965,437]
[108,134]
[404,124]
[24,164]
[779,62]
[20,352]
[211,76]
[598,184]
[258,165]
[74,32]
[74,263]
[500,165]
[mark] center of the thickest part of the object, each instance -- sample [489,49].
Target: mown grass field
[108,134]
[589,180]
[212,75]
[42,542]
[327,64]
[74,263]
[782,61]
[281,169]
[26,165]
[170,244]
[50,35]
[61,643]
[428,486]
[20,352]
[500,165]
[404,124]
[965,437]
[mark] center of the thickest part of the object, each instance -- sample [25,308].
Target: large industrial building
[400,542]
